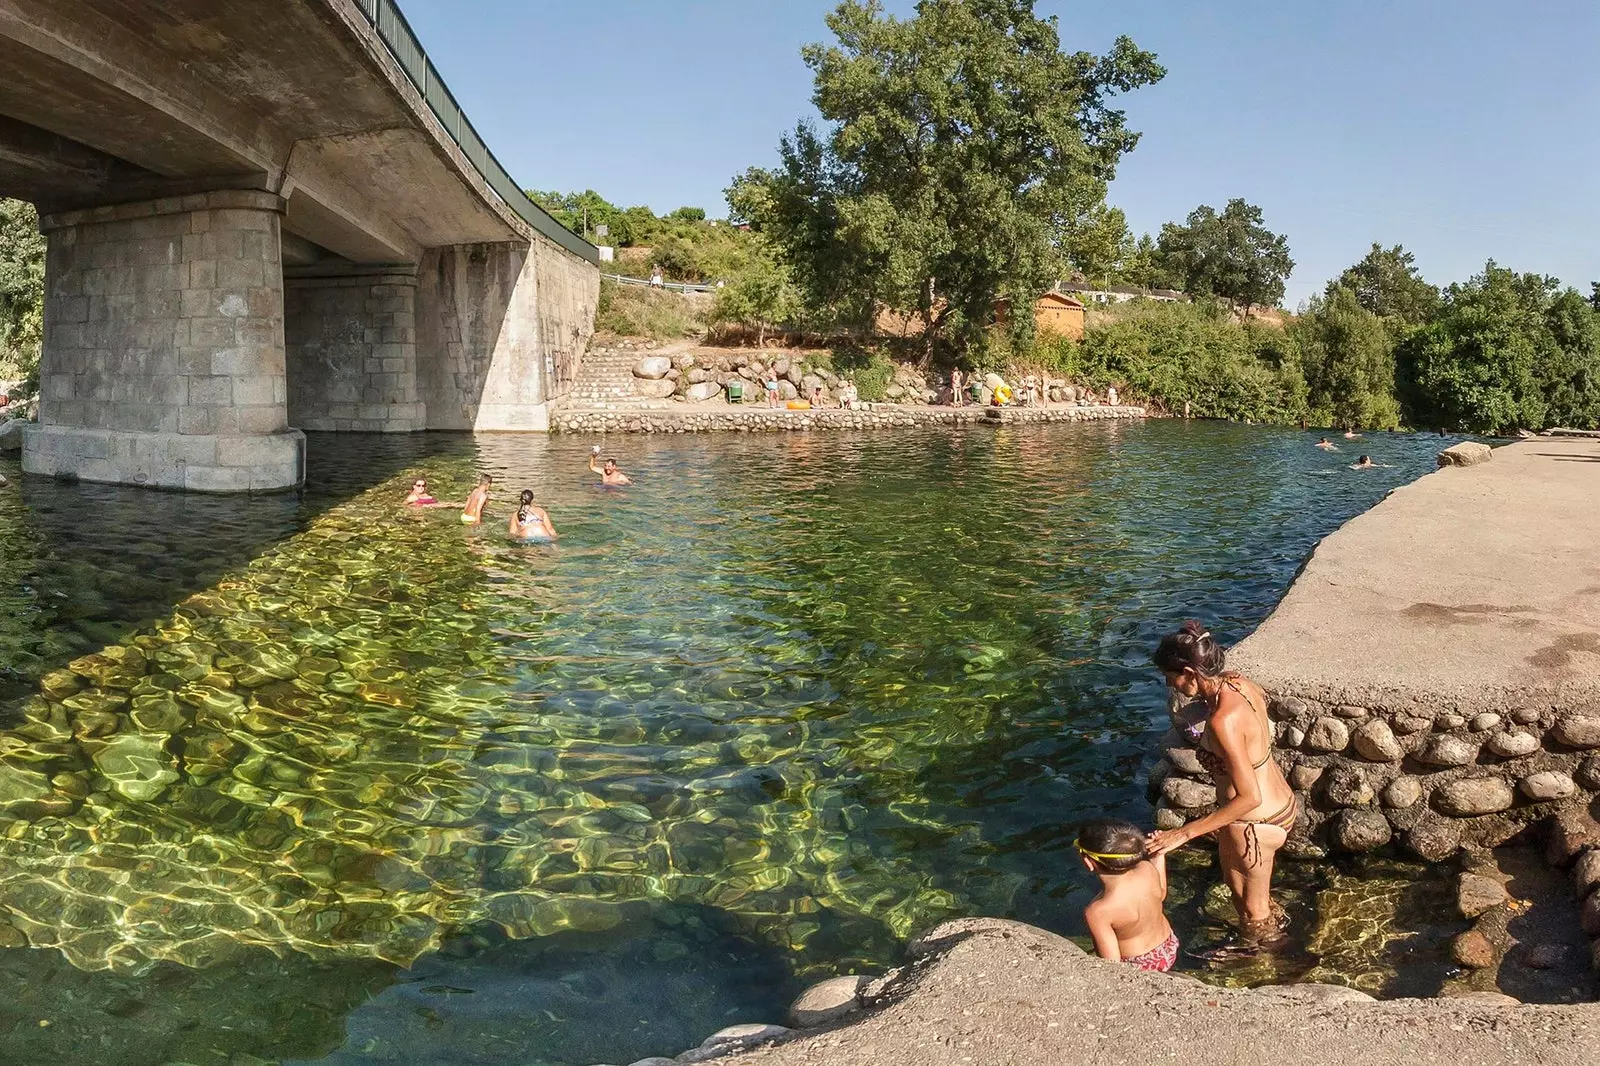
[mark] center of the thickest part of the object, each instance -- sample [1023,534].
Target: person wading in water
[1233,739]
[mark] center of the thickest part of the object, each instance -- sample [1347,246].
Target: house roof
[1054,297]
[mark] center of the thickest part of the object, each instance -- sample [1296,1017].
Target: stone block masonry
[351,349]
[500,329]
[163,356]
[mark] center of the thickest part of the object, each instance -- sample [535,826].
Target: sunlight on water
[834,689]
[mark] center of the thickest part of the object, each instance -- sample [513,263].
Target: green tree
[1347,356]
[761,296]
[1478,364]
[21,289]
[1231,256]
[1387,283]
[962,151]
[1101,244]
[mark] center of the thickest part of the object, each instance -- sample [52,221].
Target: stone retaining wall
[771,419]
[1427,778]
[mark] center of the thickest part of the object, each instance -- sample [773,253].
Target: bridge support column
[163,358]
[351,343]
[499,328]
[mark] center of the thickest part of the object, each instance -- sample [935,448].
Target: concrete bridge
[263,217]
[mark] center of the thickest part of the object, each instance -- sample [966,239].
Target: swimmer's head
[1365,460]
[610,466]
[1187,656]
[526,497]
[485,480]
[421,484]
[1110,845]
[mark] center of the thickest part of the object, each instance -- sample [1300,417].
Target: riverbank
[682,418]
[1002,994]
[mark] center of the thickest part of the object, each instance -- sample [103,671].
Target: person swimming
[531,523]
[1327,445]
[472,511]
[1351,434]
[609,474]
[1126,919]
[419,495]
[1364,463]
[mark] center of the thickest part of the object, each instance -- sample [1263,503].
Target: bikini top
[1214,762]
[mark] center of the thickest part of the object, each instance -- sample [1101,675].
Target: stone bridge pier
[266,217]
[163,346]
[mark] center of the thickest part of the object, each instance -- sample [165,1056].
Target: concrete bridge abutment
[351,350]
[163,357]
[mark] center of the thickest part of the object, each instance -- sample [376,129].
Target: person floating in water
[1126,919]
[1351,434]
[1364,463]
[609,474]
[1256,808]
[1327,445]
[530,523]
[472,511]
[419,495]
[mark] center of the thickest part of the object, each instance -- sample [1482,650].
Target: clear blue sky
[1462,130]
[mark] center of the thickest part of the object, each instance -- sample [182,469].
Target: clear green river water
[311,779]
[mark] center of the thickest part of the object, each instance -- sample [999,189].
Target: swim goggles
[1102,856]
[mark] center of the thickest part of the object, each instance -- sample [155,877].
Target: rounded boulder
[652,367]
[827,1001]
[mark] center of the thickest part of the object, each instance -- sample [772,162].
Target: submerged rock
[1476,893]
[137,765]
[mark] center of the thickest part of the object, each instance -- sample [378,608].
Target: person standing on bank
[1232,736]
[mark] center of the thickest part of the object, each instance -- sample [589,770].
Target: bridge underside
[256,226]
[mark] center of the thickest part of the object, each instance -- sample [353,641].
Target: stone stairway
[605,378]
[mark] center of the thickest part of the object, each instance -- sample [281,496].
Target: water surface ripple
[813,692]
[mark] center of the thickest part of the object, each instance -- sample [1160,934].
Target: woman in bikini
[531,524]
[1233,739]
[419,496]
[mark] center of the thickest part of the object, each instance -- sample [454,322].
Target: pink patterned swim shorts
[1160,958]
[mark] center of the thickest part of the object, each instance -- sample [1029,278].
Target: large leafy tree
[961,155]
[1387,283]
[21,289]
[1230,255]
[1347,356]
[1483,360]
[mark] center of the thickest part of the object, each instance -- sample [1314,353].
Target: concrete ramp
[1474,585]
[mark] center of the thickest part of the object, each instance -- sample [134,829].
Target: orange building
[1055,312]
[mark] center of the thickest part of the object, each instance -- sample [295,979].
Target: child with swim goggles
[1126,919]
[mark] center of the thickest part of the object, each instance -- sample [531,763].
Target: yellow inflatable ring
[1002,395]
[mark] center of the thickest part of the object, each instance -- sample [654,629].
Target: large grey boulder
[654,388]
[652,367]
[1467,453]
[703,391]
[11,435]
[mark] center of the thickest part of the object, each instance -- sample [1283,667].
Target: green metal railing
[397,36]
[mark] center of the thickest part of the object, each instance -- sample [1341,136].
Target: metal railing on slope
[397,36]
[670,286]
